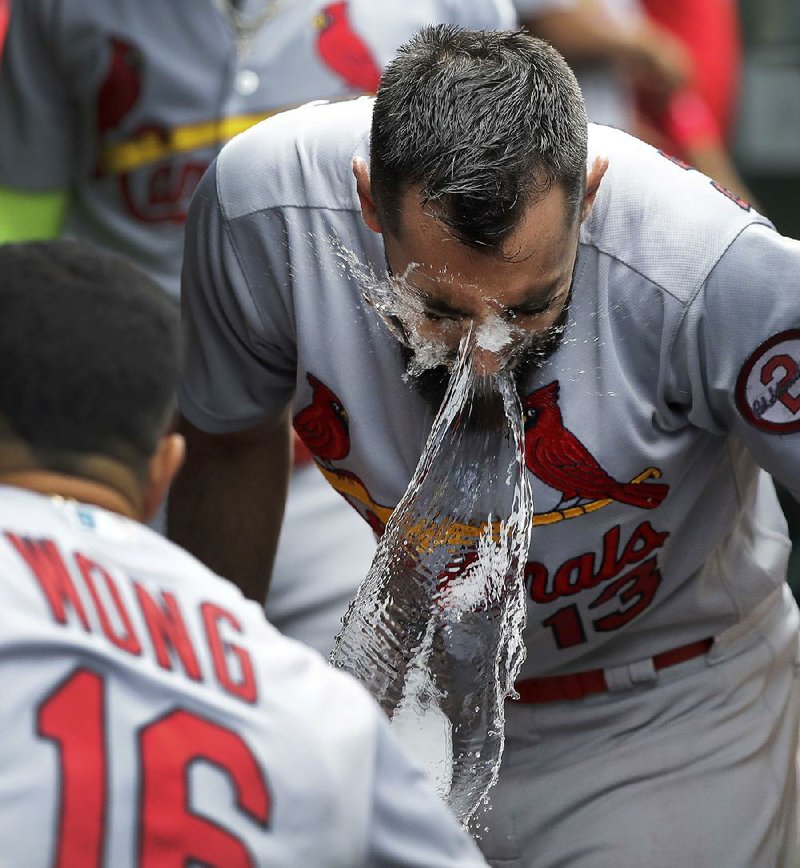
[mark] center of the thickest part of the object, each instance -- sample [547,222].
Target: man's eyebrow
[542,295]
[437,305]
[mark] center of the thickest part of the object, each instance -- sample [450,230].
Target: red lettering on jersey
[171,834]
[78,718]
[575,575]
[172,185]
[127,640]
[162,194]
[45,562]
[634,588]
[453,571]
[245,686]
[72,716]
[578,574]
[637,587]
[167,630]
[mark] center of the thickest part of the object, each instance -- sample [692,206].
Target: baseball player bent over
[150,715]
[654,331]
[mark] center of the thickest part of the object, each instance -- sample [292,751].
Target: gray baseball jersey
[151,716]
[647,436]
[677,381]
[125,103]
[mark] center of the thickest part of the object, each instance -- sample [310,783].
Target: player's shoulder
[659,216]
[116,543]
[43,534]
[309,684]
[301,158]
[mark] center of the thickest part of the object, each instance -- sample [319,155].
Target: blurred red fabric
[5,12]
[703,112]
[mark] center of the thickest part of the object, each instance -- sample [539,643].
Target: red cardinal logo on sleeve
[344,51]
[560,460]
[324,425]
[121,86]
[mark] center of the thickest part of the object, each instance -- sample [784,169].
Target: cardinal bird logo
[121,86]
[344,51]
[324,425]
[557,457]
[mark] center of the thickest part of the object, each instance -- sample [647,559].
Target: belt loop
[628,676]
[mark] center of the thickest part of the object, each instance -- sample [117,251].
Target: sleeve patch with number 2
[768,386]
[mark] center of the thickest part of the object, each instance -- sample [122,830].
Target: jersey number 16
[169,835]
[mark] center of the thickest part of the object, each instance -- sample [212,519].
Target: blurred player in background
[696,122]
[665,71]
[150,714]
[109,115]
[613,48]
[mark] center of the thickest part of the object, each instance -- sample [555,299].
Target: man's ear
[163,467]
[593,179]
[369,212]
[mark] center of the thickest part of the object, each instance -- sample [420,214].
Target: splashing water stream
[435,629]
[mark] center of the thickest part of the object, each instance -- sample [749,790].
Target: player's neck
[115,498]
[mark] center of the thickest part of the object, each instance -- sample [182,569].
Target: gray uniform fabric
[680,363]
[300,768]
[125,103]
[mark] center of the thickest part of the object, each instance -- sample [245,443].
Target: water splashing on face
[435,630]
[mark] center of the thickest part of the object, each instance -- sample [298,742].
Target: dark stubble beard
[431,383]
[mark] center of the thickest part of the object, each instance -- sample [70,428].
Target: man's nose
[492,343]
[487,362]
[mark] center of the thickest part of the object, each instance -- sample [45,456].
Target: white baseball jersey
[126,102]
[677,384]
[151,716]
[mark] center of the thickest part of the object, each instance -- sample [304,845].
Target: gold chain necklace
[244,26]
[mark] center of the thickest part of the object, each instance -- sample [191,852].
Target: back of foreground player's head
[482,123]
[90,354]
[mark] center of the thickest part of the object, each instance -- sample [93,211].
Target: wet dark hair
[482,123]
[90,354]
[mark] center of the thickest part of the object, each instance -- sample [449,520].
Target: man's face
[516,304]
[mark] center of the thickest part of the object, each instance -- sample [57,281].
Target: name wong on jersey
[125,611]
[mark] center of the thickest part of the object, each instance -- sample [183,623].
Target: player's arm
[226,505]
[583,33]
[735,362]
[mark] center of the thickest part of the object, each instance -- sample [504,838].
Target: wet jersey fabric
[125,103]
[678,379]
[150,715]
